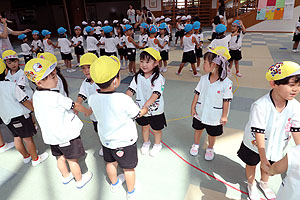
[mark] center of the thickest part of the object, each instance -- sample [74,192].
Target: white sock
[147,143]
[158,145]
[196,145]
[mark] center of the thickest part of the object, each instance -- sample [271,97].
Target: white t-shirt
[277,127]
[235,44]
[199,37]
[129,45]
[138,18]
[131,15]
[37,43]
[11,97]
[47,47]
[75,40]
[162,41]
[110,44]
[65,45]
[115,113]
[188,44]
[60,87]
[209,106]
[220,42]
[297,26]
[144,90]
[97,30]
[87,89]
[179,26]
[102,46]
[91,43]
[26,49]
[289,189]
[4,42]
[213,27]
[143,39]
[20,79]
[152,44]
[55,116]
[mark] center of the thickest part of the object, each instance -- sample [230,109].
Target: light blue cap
[188,27]
[22,36]
[61,30]
[196,25]
[35,32]
[221,28]
[163,26]
[107,29]
[127,27]
[89,29]
[144,25]
[45,32]
[153,29]
[237,22]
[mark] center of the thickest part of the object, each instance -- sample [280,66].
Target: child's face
[49,82]
[78,31]
[35,37]
[92,32]
[47,36]
[86,71]
[13,65]
[25,39]
[148,65]
[129,32]
[208,67]
[196,30]
[288,91]
[153,34]
[142,30]
[234,28]
[93,25]
[162,31]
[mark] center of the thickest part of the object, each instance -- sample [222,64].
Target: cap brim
[49,70]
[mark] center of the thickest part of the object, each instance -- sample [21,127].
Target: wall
[277,25]
[147,4]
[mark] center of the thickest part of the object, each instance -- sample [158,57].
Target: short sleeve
[159,85]
[166,39]
[133,86]
[257,119]
[65,102]
[80,39]
[296,119]
[131,108]
[40,44]
[20,95]
[83,92]
[73,39]
[101,39]
[198,88]
[227,90]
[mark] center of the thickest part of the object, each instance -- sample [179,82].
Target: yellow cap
[221,51]
[282,70]
[9,54]
[48,56]
[104,69]
[155,54]
[2,66]
[87,59]
[37,69]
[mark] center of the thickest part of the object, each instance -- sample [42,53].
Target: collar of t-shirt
[273,100]
[105,92]
[45,89]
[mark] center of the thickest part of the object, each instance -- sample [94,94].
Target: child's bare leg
[165,63]
[211,141]
[66,63]
[111,170]
[237,66]
[62,166]
[194,68]
[78,58]
[133,67]
[250,174]
[20,147]
[197,136]
[130,179]
[160,64]
[146,133]
[230,64]
[181,67]
[157,136]
[264,176]
[130,66]
[198,62]
[295,46]
[31,147]
[75,169]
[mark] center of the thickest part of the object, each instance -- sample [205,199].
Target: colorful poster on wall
[270,13]
[271,3]
[280,3]
[288,11]
[262,4]
[278,14]
[275,9]
[261,14]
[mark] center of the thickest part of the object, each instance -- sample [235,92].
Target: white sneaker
[161,69]
[191,69]
[85,178]
[101,152]
[197,75]
[179,74]
[118,185]
[41,159]
[145,148]
[198,69]
[253,192]
[267,191]
[67,179]
[27,160]
[131,196]
[155,149]
[239,74]
[165,69]
[295,50]
[209,154]
[194,150]
[7,146]
[229,73]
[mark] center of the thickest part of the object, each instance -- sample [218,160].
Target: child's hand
[193,112]
[223,120]
[265,165]
[88,113]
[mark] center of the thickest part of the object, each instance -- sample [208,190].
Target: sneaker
[101,152]
[7,146]
[118,184]
[155,149]
[131,195]
[191,69]
[239,74]
[229,72]
[253,192]
[145,148]
[194,150]
[161,69]
[179,74]
[67,179]
[123,67]
[197,75]
[27,160]
[209,154]
[41,158]
[85,178]
[267,191]
[295,50]
[165,69]
[198,69]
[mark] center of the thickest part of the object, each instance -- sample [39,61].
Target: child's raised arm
[130,39]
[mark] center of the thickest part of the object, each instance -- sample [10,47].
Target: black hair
[61,35]
[148,20]
[220,35]
[217,20]
[65,84]
[2,76]
[299,19]
[210,57]
[286,80]
[121,32]
[108,83]
[146,56]
[166,32]
[107,35]
[145,8]
[222,3]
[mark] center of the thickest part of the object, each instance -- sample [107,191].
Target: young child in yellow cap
[60,126]
[273,119]
[148,85]
[117,130]
[15,112]
[88,86]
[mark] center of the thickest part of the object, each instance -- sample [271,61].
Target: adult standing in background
[131,15]
[222,8]
[147,14]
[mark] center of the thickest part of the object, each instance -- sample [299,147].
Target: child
[289,164]
[215,22]
[36,44]
[163,39]
[88,86]
[148,85]
[102,46]
[59,125]
[131,48]
[210,106]
[65,48]
[98,30]
[221,40]
[179,29]
[92,43]
[296,37]
[115,26]
[26,50]
[122,51]
[143,38]
[189,45]
[47,43]
[84,25]
[169,29]
[199,37]
[117,130]
[152,40]
[110,43]
[77,42]
[235,45]
[15,109]
[273,119]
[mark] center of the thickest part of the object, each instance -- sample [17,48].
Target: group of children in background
[210,106]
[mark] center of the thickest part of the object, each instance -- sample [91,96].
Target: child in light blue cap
[65,48]
[199,37]
[47,43]
[26,49]
[36,44]
[110,43]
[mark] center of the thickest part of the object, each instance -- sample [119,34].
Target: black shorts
[111,54]
[189,57]
[94,52]
[66,56]
[211,130]
[249,157]
[170,38]
[235,55]
[95,124]
[131,54]
[22,127]
[102,52]
[98,36]
[39,51]
[199,53]
[27,58]
[74,151]
[164,55]
[79,50]
[122,52]
[296,38]
[126,157]
[156,122]
[179,33]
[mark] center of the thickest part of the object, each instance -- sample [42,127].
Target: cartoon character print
[275,69]
[30,75]
[153,107]
[253,142]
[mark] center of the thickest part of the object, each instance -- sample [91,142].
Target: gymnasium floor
[173,174]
